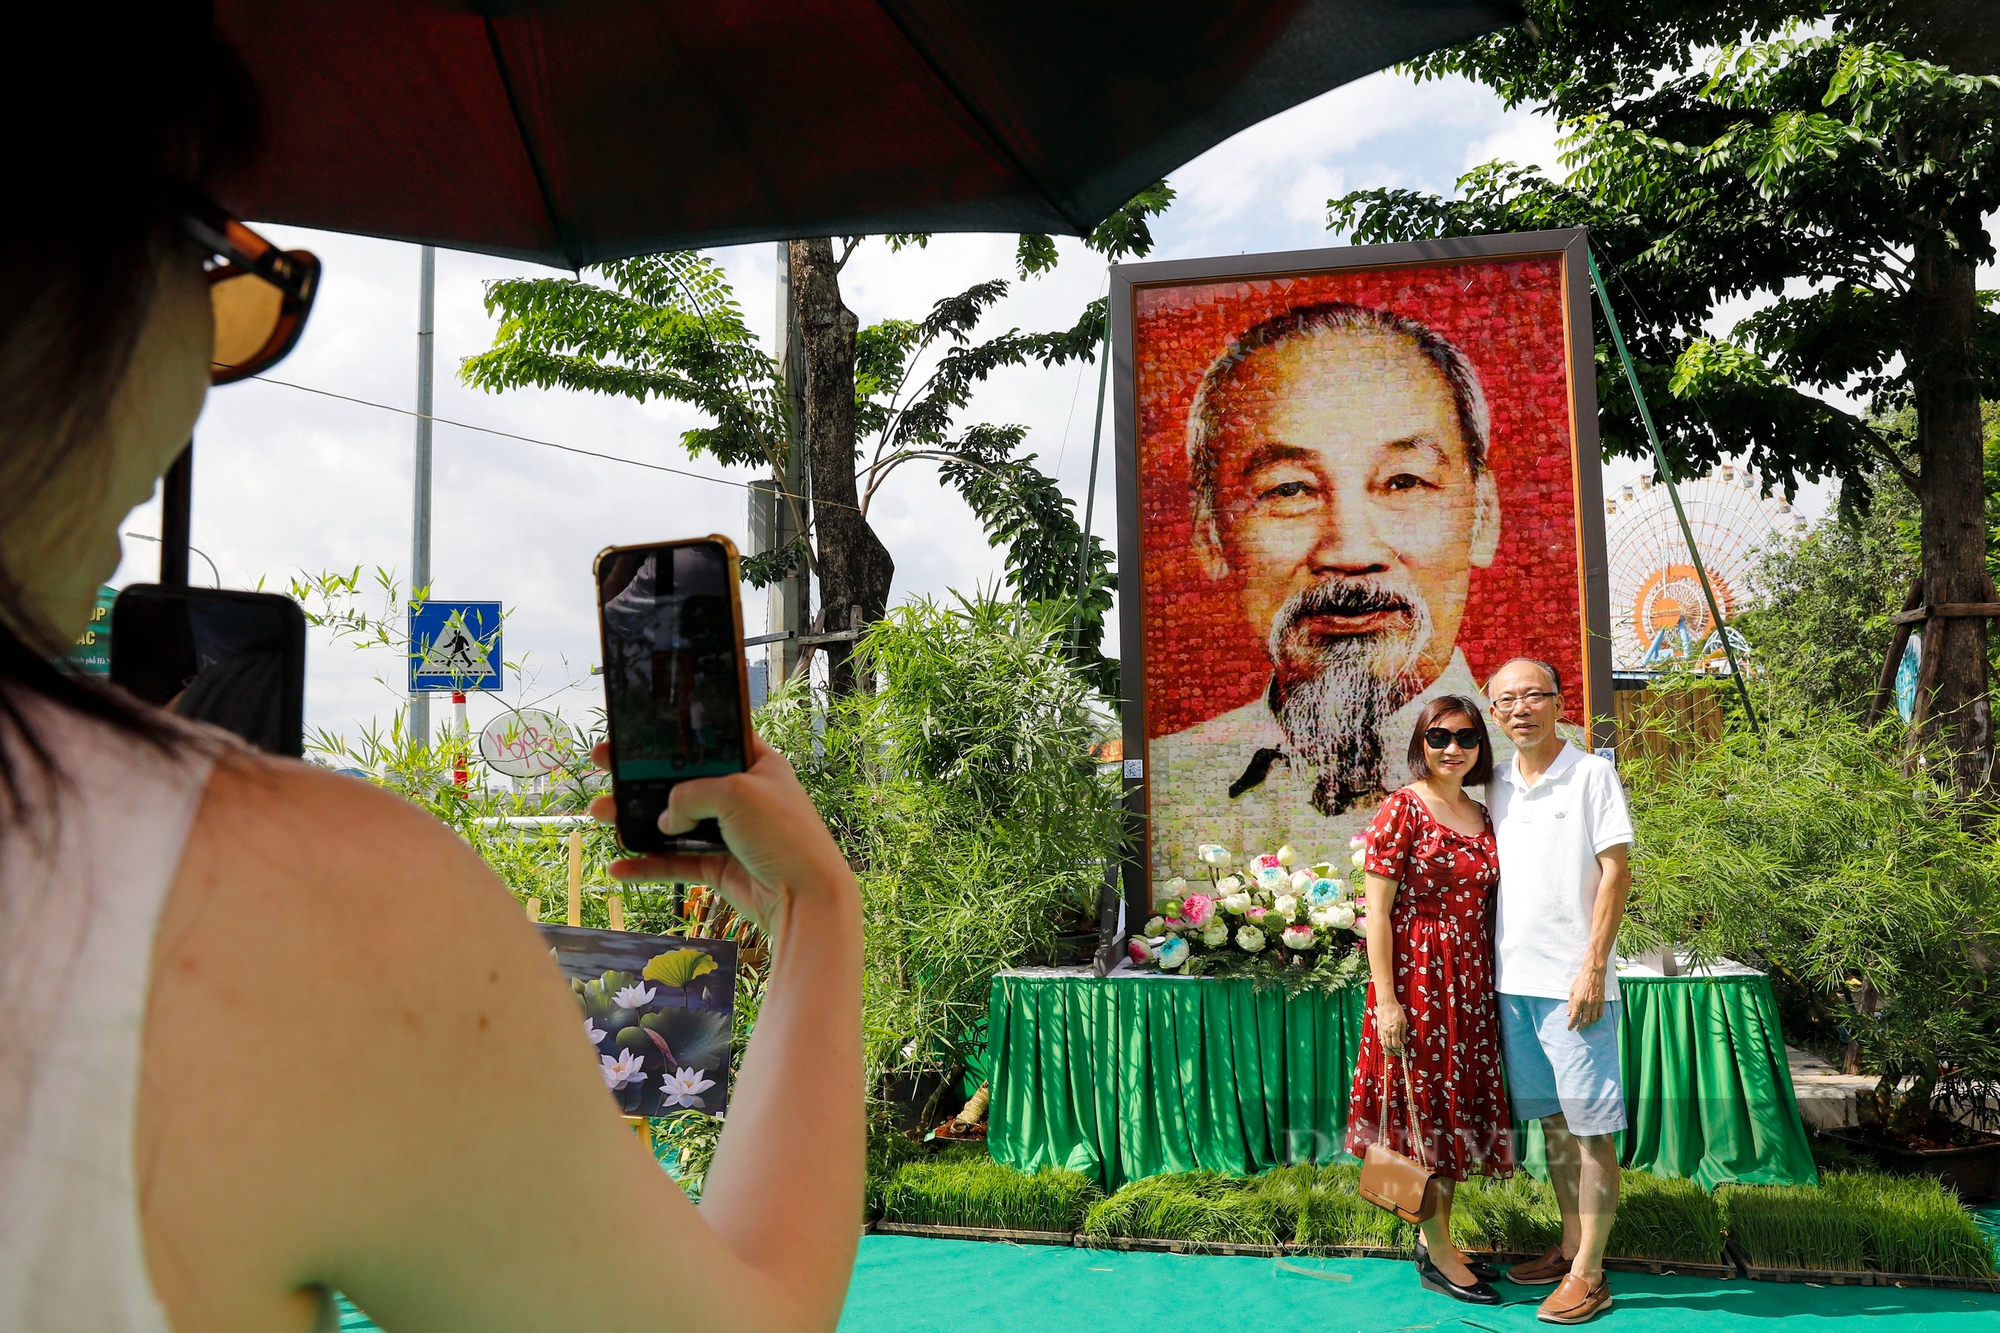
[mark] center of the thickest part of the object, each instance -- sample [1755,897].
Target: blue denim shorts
[1551,1068]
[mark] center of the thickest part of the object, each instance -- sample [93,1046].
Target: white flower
[1360,926]
[1239,903]
[1216,935]
[1272,877]
[1358,840]
[1297,937]
[1320,916]
[1174,888]
[1287,854]
[621,1071]
[1213,853]
[636,996]
[1155,926]
[1301,880]
[1227,885]
[593,1032]
[1249,939]
[1360,859]
[1172,954]
[1340,917]
[1286,906]
[679,1088]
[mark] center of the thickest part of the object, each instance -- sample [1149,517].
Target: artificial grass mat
[904,1284]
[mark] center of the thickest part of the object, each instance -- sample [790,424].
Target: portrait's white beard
[1334,695]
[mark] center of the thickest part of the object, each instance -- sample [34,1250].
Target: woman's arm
[1391,1023]
[362,1070]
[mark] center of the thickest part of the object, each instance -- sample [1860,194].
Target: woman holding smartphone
[1430,1038]
[268,1032]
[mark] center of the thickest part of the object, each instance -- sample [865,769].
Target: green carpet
[906,1285]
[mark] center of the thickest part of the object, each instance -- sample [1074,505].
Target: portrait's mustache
[1366,596]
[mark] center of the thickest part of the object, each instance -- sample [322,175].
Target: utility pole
[420,538]
[788,600]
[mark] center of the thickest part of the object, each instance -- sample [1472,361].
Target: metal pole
[1090,492]
[787,599]
[420,537]
[1673,492]
[177,520]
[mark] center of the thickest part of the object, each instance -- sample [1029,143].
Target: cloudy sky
[289,480]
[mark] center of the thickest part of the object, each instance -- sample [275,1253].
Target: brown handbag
[1391,1181]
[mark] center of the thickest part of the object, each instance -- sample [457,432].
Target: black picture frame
[1593,573]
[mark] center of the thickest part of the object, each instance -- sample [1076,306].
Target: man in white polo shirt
[1565,838]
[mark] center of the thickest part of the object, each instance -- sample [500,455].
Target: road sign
[455,646]
[527,743]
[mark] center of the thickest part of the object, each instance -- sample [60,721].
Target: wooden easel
[614,903]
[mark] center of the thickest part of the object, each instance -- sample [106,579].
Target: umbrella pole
[177,519]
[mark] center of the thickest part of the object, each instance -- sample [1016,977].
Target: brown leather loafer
[1546,1271]
[1576,1301]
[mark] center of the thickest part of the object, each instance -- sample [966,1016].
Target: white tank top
[77,915]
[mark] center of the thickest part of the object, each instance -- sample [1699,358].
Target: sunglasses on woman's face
[261,295]
[1439,737]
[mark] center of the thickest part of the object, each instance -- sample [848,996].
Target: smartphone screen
[673,680]
[236,660]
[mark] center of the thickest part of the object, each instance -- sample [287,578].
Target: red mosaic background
[1507,316]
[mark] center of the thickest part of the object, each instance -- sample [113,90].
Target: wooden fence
[1671,722]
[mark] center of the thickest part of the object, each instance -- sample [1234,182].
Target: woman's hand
[778,846]
[1392,1026]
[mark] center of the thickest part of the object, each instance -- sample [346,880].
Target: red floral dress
[1443,931]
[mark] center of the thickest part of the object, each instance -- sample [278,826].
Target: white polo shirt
[1550,836]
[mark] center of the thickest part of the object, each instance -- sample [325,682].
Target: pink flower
[1268,859]
[1141,951]
[1255,914]
[1197,908]
[1297,937]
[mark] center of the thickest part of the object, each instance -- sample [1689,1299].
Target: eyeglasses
[260,294]
[1507,703]
[1439,737]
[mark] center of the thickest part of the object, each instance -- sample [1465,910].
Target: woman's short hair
[1444,706]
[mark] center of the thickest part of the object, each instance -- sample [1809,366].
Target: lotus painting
[657,1010]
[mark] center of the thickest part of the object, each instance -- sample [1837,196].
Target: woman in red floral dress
[1433,870]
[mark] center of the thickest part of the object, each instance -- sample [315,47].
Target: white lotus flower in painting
[683,1086]
[636,996]
[592,1032]
[621,1071]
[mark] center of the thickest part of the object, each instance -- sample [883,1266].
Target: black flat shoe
[1479,1293]
[1483,1272]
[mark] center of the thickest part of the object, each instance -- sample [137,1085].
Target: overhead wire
[526,439]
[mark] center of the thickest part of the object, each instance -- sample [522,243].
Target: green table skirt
[1134,1076]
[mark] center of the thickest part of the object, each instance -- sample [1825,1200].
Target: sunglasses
[1439,737]
[261,295]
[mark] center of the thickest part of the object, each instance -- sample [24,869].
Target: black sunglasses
[1439,737]
[261,295]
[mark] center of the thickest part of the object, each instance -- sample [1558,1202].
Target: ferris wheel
[1657,608]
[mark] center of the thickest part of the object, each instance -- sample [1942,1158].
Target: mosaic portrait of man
[1337,474]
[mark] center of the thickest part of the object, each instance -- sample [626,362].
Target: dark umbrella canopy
[576,131]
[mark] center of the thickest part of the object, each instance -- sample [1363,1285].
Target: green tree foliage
[1870,894]
[1722,152]
[1820,622]
[963,792]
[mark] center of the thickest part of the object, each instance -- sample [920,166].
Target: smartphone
[676,686]
[233,659]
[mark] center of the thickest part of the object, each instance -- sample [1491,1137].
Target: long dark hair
[128,111]
[1445,705]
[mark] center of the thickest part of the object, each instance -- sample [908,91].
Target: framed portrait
[1350,481]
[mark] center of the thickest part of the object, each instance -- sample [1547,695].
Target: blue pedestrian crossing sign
[455,646]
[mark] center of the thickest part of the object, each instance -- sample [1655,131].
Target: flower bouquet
[1272,920]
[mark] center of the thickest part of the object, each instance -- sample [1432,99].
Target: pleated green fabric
[1135,1076]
